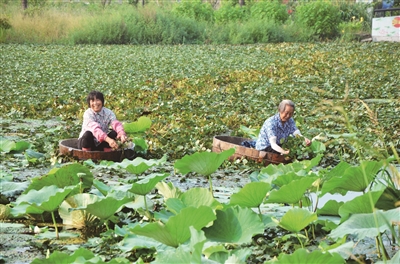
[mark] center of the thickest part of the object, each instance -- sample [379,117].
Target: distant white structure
[386,28]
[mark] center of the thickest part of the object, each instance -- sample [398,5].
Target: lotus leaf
[296,219]
[194,197]
[204,163]
[251,195]
[47,199]
[141,125]
[355,178]
[147,184]
[291,193]
[77,218]
[316,257]
[367,225]
[361,204]
[176,231]
[63,177]
[140,165]
[234,225]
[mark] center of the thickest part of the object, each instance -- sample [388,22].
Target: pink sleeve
[95,128]
[118,127]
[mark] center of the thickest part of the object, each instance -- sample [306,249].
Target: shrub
[228,12]
[269,10]
[4,23]
[196,10]
[146,26]
[359,11]
[320,16]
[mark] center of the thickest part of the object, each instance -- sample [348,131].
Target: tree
[24,4]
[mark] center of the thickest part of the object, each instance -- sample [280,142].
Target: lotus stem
[106,224]
[301,243]
[55,224]
[147,209]
[211,188]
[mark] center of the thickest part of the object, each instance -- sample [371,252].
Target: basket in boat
[222,143]
[69,147]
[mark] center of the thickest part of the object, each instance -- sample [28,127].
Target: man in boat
[97,120]
[277,127]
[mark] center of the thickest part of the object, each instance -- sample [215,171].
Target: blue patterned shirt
[273,127]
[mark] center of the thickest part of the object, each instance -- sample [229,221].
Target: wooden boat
[221,143]
[69,147]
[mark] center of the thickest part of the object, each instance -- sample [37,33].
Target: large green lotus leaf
[287,178]
[315,257]
[251,195]
[60,257]
[103,188]
[251,132]
[139,202]
[389,198]
[24,208]
[145,185]
[10,188]
[62,177]
[47,199]
[359,205]
[168,190]
[317,147]
[194,197]
[139,164]
[238,256]
[235,225]
[330,208]
[364,225]
[176,231]
[6,145]
[141,125]
[191,253]
[77,218]
[296,219]
[204,163]
[291,193]
[106,207]
[22,145]
[9,145]
[271,172]
[140,145]
[352,178]
[134,242]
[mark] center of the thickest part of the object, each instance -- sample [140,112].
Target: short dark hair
[95,95]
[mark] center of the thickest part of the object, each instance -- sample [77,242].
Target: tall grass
[79,23]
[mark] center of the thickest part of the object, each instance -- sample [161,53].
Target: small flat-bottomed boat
[222,143]
[69,147]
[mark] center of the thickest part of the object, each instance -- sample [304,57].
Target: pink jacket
[100,123]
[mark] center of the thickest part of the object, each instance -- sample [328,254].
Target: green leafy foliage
[234,225]
[9,145]
[176,231]
[197,10]
[321,16]
[269,10]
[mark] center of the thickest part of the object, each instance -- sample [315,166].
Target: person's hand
[285,152]
[123,138]
[113,144]
[308,142]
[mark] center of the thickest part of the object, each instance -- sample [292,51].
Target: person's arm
[119,128]
[276,147]
[306,140]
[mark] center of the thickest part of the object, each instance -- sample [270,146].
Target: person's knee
[112,134]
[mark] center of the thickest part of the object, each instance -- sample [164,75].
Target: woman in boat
[277,127]
[97,121]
